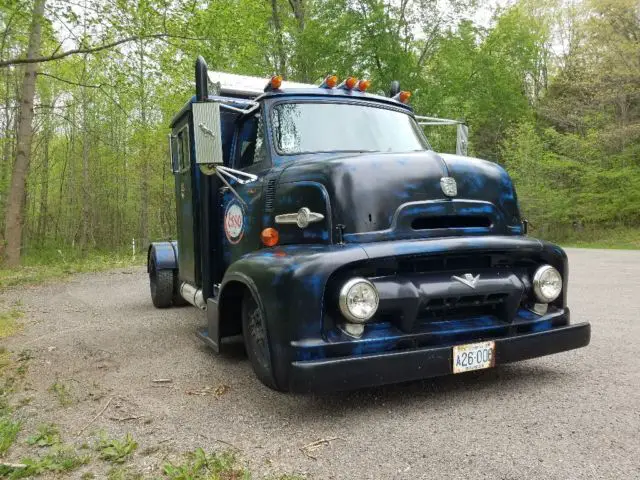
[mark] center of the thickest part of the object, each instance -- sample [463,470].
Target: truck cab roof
[241,91]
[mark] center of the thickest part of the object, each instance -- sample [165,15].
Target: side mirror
[462,140]
[207,134]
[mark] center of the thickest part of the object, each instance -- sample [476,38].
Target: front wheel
[254,331]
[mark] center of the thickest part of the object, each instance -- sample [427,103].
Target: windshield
[342,127]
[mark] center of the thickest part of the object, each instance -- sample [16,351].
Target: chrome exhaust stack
[193,295]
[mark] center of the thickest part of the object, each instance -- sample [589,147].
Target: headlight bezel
[343,300]
[538,285]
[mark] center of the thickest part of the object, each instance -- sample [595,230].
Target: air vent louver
[270,196]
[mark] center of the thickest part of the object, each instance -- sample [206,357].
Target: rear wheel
[161,283]
[254,331]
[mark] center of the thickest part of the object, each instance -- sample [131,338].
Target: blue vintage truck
[316,223]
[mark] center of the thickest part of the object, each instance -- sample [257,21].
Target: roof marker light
[403,97]
[330,81]
[349,83]
[274,84]
[363,85]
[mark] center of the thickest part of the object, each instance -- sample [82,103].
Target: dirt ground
[99,339]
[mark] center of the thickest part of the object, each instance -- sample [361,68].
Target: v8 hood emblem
[468,279]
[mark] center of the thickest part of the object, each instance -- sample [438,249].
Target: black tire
[177,299]
[254,331]
[161,284]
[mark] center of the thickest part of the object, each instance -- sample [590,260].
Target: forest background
[550,89]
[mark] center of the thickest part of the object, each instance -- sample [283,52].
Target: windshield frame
[342,101]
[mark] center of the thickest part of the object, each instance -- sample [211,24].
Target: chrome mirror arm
[222,172]
[235,174]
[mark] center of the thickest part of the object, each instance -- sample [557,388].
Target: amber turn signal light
[269,237]
[363,85]
[276,82]
[330,81]
[403,96]
[350,82]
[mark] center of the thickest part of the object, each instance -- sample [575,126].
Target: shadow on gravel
[504,381]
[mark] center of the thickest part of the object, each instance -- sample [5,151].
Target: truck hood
[382,192]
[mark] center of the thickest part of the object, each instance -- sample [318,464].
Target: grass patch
[613,238]
[200,465]
[124,473]
[42,266]
[46,436]
[9,429]
[116,451]
[60,459]
[62,393]
[12,372]
[9,322]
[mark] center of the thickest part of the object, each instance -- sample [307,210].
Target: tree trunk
[277,26]
[14,215]
[44,192]
[7,154]
[144,183]
[86,199]
[298,8]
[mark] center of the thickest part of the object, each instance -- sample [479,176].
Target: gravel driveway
[571,415]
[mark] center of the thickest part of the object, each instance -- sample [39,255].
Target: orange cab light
[269,237]
[363,85]
[276,82]
[350,82]
[403,96]
[330,81]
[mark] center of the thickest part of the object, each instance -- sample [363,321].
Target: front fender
[289,283]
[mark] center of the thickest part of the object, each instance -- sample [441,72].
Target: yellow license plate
[473,356]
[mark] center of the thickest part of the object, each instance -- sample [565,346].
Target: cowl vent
[270,196]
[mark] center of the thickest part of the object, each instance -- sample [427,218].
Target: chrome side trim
[302,218]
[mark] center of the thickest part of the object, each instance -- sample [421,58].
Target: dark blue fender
[289,283]
[165,255]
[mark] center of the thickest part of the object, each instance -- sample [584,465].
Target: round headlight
[547,283]
[358,300]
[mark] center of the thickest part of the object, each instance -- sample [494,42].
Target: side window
[173,152]
[251,148]
[183,150]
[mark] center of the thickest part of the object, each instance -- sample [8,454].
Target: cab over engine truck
[317,223]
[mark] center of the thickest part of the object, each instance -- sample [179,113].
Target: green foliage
[9,322]
[62,393]
[9,429]
[115,450]
[46,265]
[124,473]
[551,89]
[46,436]
[200,465]
[60,459]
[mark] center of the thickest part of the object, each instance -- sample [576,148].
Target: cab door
[184,205]
[242,213]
